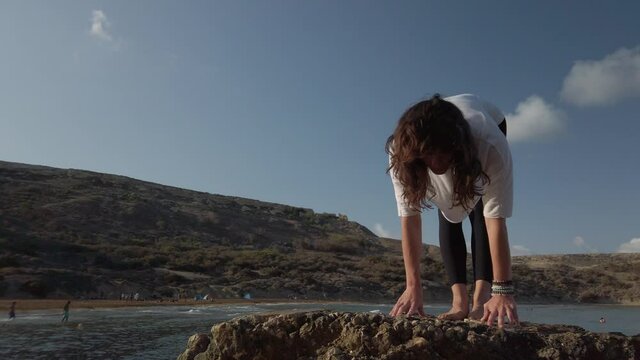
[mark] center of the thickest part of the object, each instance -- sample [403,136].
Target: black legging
[453,247]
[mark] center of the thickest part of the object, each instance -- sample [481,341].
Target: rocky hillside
[587,278]
[80,233]
[85,234]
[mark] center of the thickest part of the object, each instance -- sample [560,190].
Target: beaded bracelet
[512,292]
[504,291]
[502,288]
[502,282]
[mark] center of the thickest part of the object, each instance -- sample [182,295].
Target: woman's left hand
[498,307]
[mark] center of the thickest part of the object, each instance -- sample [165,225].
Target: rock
[196,344]
[335,336]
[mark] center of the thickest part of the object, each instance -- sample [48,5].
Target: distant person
[603,320]
[65,315]
[12,311]
[453,153]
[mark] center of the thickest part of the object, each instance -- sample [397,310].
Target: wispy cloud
[519,250]
[604,82]
[578,241]
[100,26]
[534,118]
[380,231]
[582,244]
[633,246]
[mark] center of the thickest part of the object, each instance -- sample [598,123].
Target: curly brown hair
[434,126]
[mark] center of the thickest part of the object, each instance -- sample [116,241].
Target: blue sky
[291,102]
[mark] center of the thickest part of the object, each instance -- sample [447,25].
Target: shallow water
[162,332]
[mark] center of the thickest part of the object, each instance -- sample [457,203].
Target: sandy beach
[45,304]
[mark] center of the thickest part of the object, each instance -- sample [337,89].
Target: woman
[452,153]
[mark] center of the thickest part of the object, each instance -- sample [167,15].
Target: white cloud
[633,246]
[380,231]
[606,81]
[582,244]
[534,118]
[100,25]
[578,241]
[519,250]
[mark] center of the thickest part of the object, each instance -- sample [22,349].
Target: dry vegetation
[588,278]
[72,233]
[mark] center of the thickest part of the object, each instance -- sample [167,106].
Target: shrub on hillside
[191,267]
[36,288]
[131,252]
[103,261]
[174,279]
[25,246]
[589,296]
[255,258]
[9,261]
[167,292]
[70,282]
[340,243]
[155,260]
[117,263]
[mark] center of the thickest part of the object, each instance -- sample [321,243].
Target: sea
[161,332]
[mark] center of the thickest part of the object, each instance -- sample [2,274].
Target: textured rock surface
[197,344]
[333,335]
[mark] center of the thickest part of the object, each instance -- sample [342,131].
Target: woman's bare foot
[455,313]
[459,306]
[476,313]
[481,294]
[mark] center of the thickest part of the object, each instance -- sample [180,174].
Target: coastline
[48,304]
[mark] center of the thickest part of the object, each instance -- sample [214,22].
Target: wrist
[502,288]
[503,296]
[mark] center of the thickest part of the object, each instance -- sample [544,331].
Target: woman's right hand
[409,303]
[498,307]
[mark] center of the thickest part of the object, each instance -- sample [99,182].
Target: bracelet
[502,288]
[503,293]
[502,282]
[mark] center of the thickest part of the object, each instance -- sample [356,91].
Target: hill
[78,233]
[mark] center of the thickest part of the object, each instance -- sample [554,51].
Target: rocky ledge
[338,335]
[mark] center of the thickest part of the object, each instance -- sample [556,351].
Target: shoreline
[48,304]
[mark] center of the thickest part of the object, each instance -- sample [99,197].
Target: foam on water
[155,311]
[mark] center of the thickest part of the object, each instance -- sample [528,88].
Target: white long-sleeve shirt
[495,158]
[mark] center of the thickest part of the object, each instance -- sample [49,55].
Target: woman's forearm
[499,247]
[412,248]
